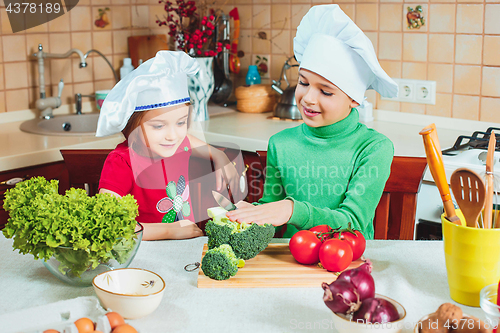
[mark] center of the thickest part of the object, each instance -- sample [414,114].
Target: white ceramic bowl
[132,292]
[343,325]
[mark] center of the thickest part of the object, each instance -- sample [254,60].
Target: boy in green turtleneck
[331,169]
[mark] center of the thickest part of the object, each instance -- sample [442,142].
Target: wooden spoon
[435,162]
[470,193]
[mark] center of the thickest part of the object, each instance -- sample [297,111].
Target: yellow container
[472,259]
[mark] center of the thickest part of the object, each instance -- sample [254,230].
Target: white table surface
[411,272]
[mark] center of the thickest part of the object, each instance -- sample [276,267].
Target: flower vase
[201,87]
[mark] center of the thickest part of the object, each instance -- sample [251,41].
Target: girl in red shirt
[150,106]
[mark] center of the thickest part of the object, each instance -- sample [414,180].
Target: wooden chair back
[395,213]
[84,167]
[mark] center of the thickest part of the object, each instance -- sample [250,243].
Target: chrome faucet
[47,104]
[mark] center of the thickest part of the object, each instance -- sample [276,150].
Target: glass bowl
[66,260]
[488,302]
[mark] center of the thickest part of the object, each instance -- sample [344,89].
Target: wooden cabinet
[55,170]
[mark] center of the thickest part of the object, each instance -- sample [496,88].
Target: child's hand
[228,172]
[275,213]
[184,229]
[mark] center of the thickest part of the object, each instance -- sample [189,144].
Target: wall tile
[491,22]
[390,46]
[245,42]
[414,47]
[413,108]
[298,12]
[140,16]
[491,51]
[86,88]
[80,18]
[103,41]
[120,41]
[104,85]
[415,70]
[120,2]
[100,2]
[387,105]
[17,99]
[101,69]
[261,17]
[14,47]
[81,41]
[367,16]
[441,48]
[60,24]
[443,75]
[59,42]
[392,68]
[156,12]
[468,49]
[280,40]
[467,79]
[39,28]
[120,17]
[280,16]
[349,9]
[470,18]
[442,18]
[261,46]
[491,82]
[17,72]
[246,14]
[6,28]
[60,69]
[277,65]
[490,109]
[2,85]
[425,15]
[443,106]
[465,107]
[390,17]
[2,102]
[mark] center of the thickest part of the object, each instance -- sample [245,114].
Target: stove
[467,152]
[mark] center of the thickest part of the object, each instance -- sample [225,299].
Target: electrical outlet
[406,91]
[415,91]
[425,92]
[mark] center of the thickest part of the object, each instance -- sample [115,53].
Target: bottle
[253,76]
[126,68]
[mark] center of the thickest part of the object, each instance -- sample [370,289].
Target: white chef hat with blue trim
[330,44]
[157,83]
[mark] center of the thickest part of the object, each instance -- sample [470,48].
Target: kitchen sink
[67,125]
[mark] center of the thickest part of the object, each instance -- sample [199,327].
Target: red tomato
[357,243]
[304,246]
[322,229]
[335,255]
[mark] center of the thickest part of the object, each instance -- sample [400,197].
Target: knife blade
[223,202]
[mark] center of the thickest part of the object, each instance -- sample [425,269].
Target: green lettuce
[41,222]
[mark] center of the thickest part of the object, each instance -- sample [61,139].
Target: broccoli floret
[246,240]
[220,263]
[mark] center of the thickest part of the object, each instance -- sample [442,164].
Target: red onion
[341,296]
[376,310]
[361,279]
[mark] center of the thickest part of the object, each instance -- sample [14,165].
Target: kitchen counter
[411,272]
[227,126]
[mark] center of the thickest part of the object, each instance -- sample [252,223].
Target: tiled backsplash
[459,47]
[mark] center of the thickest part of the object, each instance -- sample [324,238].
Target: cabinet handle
[13,181]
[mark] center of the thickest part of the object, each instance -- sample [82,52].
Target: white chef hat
[157,83]
[330,44]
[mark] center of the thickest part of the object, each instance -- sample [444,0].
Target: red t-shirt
[160,186]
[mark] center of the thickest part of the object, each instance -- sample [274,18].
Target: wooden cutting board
[145,47]
[274,267]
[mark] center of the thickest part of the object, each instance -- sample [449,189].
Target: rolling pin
[435,162]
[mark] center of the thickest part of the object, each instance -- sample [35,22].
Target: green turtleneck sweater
[334,174]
